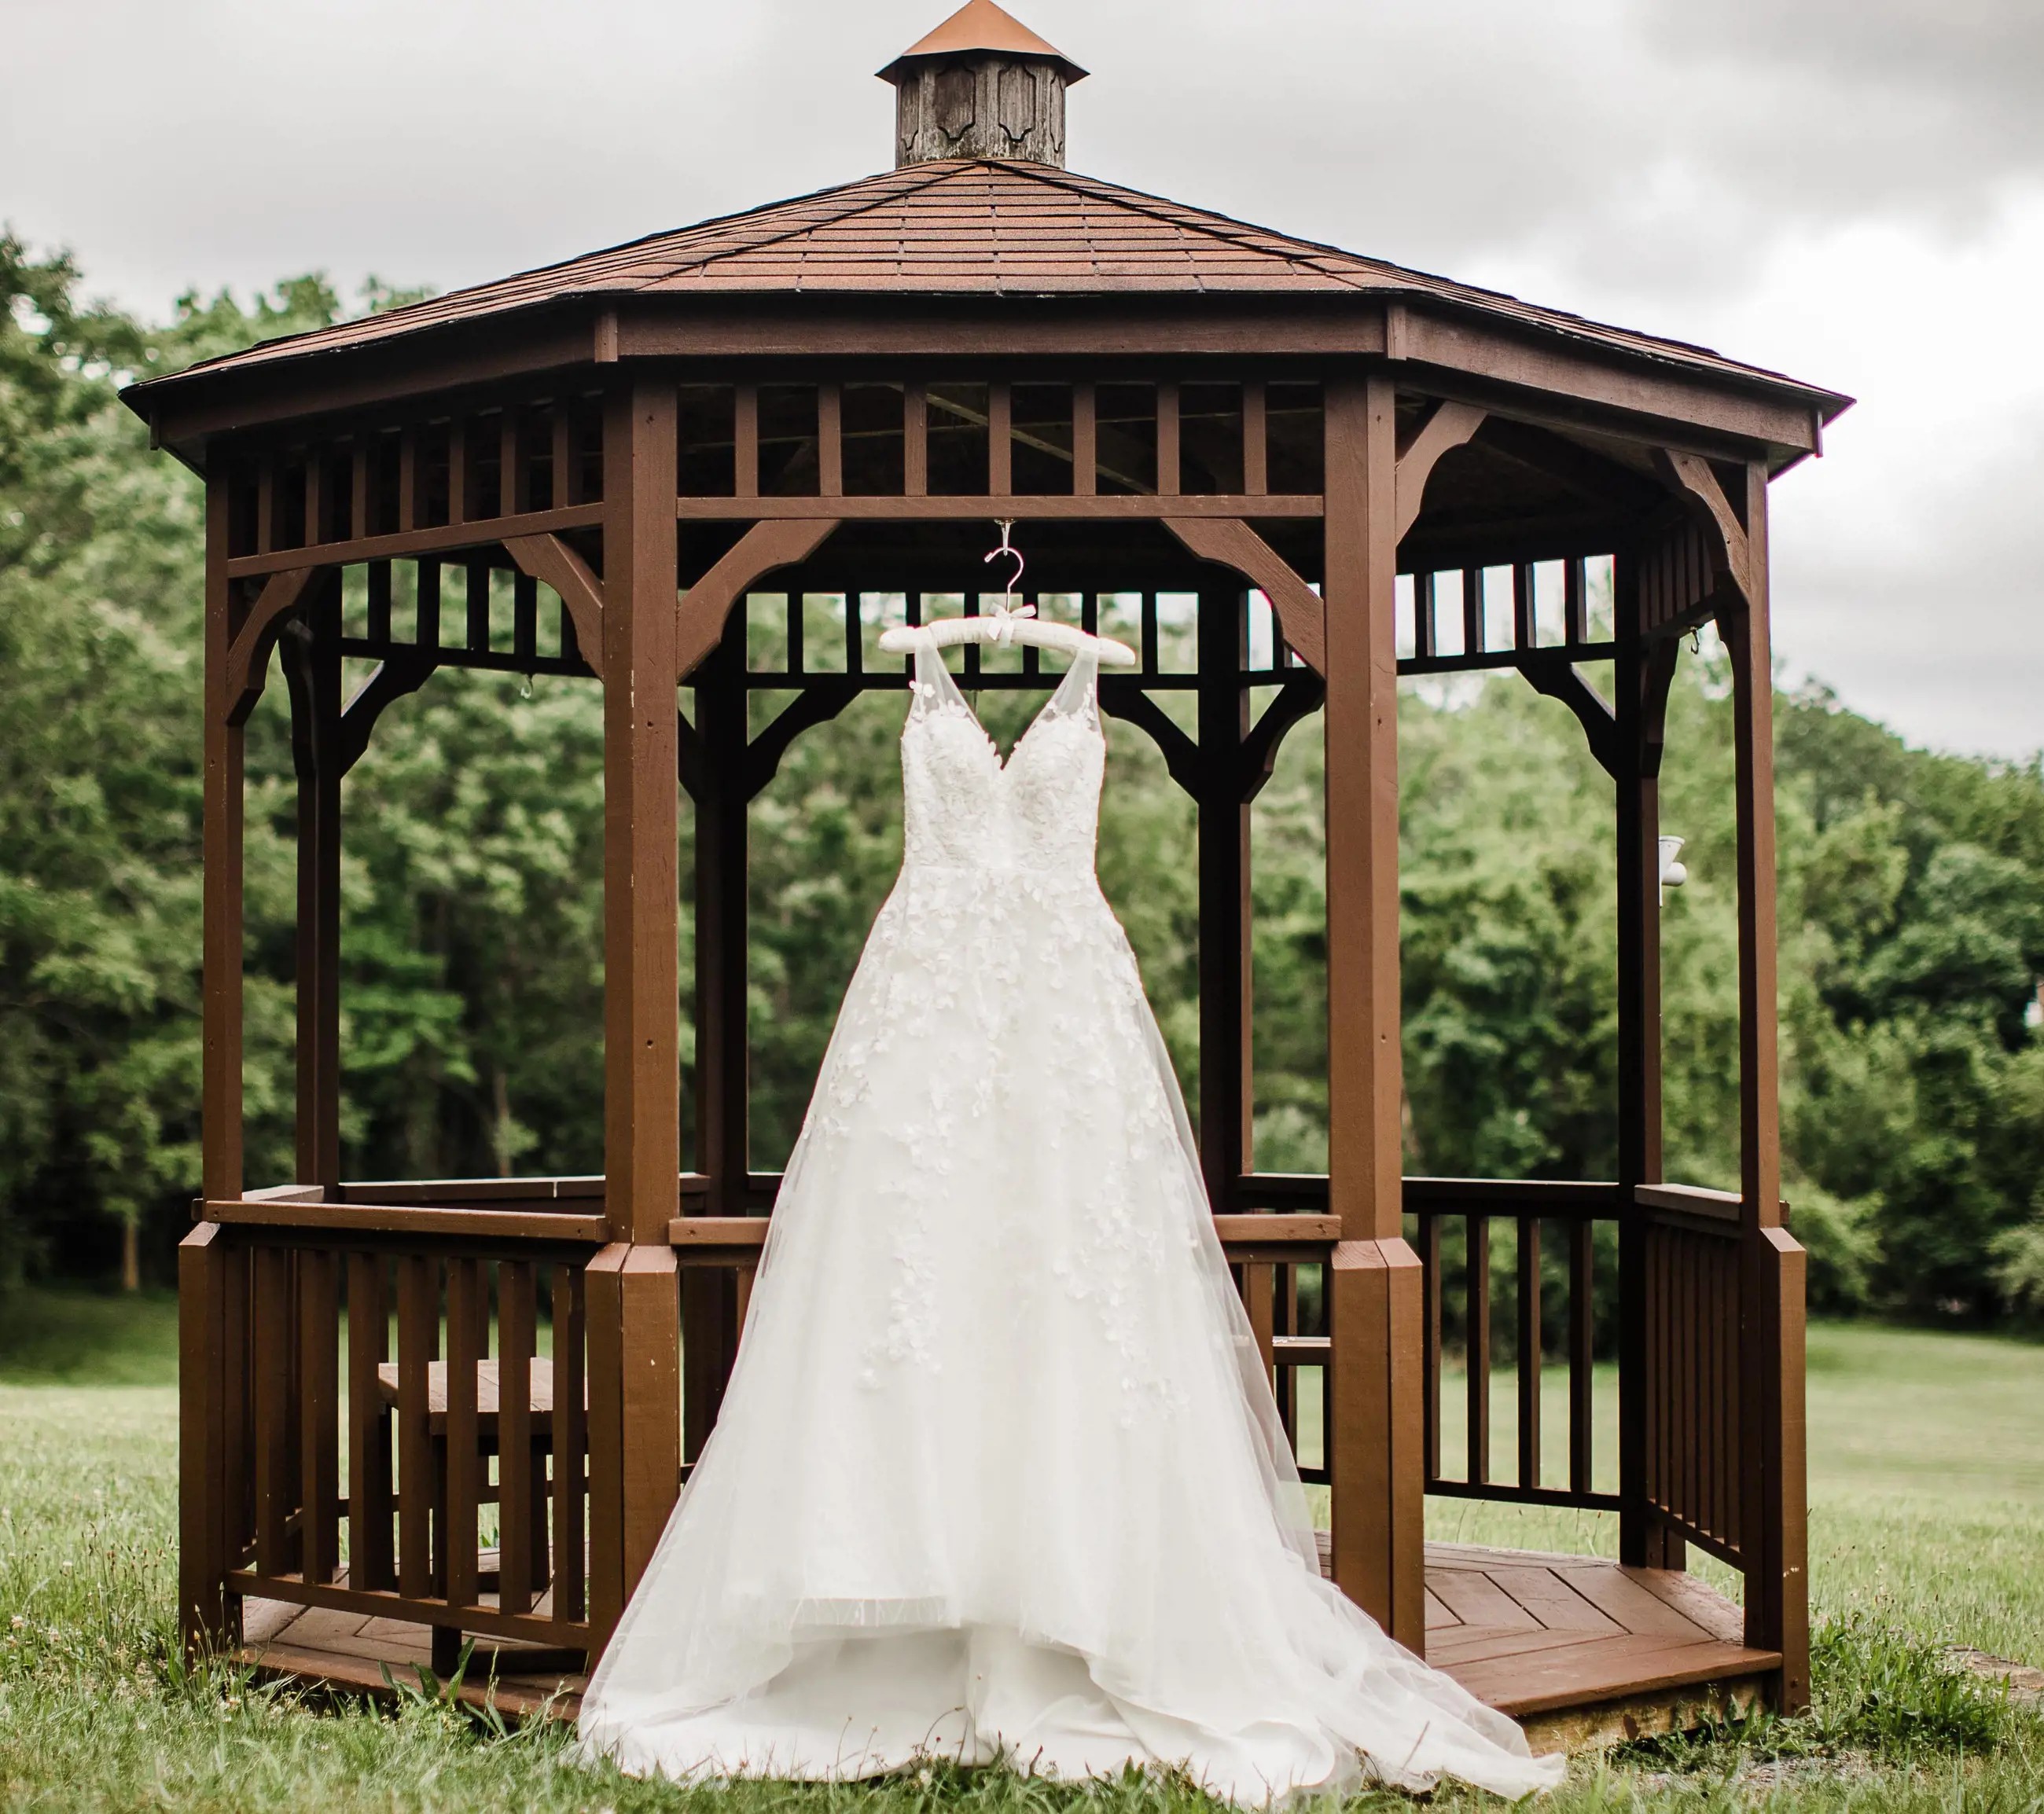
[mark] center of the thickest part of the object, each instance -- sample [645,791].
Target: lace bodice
[964,808]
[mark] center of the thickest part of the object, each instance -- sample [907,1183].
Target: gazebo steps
[1585,1652]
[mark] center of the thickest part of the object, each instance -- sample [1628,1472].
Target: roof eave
[578,337]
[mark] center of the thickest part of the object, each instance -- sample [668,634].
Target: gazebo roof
[978,229]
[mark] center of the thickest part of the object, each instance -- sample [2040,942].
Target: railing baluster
[561,471]
[1430,1313]
[464,1457]
[830,440]
[1259,1291]
[524,616]
[378,585]
[418,1482]
[1255,445]
[1694,1484]
[1525,626]
[426,610]
[1582,1339]
[1720,1392]
[272,1371]
[1288,1377]
[319,1414]
[999,440]
[1168,484]
[1529,1351]
[477,597]
[570,1440]
[241,1409]
[408,479]
[369,1561]
[515,1495]
[1479,1348]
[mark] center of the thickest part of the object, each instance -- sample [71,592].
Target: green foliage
[1911,922]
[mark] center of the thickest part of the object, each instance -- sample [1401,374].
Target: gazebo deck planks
[1583,1649]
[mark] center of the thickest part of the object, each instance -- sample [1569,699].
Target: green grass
[1927,1455]
[88,1338]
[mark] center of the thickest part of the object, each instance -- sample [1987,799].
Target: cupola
[982,85]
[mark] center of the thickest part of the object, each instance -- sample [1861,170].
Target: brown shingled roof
[966,228]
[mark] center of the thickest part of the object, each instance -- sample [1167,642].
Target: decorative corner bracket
[704,607]
[1447,426]
[1563,681]
[248,655]
[1688,476]
[550,561]
[1229,542]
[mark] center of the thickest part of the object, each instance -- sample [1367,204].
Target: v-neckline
[957,694]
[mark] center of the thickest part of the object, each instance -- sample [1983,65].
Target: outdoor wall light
[1673,874]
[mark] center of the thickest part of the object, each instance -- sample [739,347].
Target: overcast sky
[1849,190]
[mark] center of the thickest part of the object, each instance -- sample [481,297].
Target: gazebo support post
[1777,1615]
[211,1277]
[311,652]
[1376,1465]
[633,1302]
[1226,1096]
[1642,672]
[1226,1104]
[220,1005]
[709,1296]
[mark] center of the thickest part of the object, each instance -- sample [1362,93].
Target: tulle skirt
[998,1473]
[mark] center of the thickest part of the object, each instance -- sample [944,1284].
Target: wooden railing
[401,1400]
[392,1362]
[1692,1453]
[1686,1472]
[1531,1209]
[1278,1250]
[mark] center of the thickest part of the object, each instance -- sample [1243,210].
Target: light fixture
[1673,874]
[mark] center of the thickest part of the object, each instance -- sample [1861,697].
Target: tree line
[1911,904]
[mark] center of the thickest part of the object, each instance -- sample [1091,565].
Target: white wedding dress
[998,1472]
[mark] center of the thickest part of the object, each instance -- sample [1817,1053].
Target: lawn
[1927,1530]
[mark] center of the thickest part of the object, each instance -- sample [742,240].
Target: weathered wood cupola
[982,85]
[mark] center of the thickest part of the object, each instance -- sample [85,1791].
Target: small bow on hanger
[1004,613]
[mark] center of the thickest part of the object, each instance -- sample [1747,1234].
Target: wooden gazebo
[414,1412]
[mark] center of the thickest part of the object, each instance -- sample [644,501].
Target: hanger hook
[1008,605]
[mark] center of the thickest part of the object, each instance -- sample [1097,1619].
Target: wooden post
[1642,676]
[314,660]
[1227,1099]
[1376,1462]
[1771,1360]
[210,1491]
[220,1000]
[207,1487]
[722,1123]
[603,1321]
[642,1051]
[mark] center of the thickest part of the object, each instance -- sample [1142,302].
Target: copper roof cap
[979,26]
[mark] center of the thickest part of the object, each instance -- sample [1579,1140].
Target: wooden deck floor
[1583,1651]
